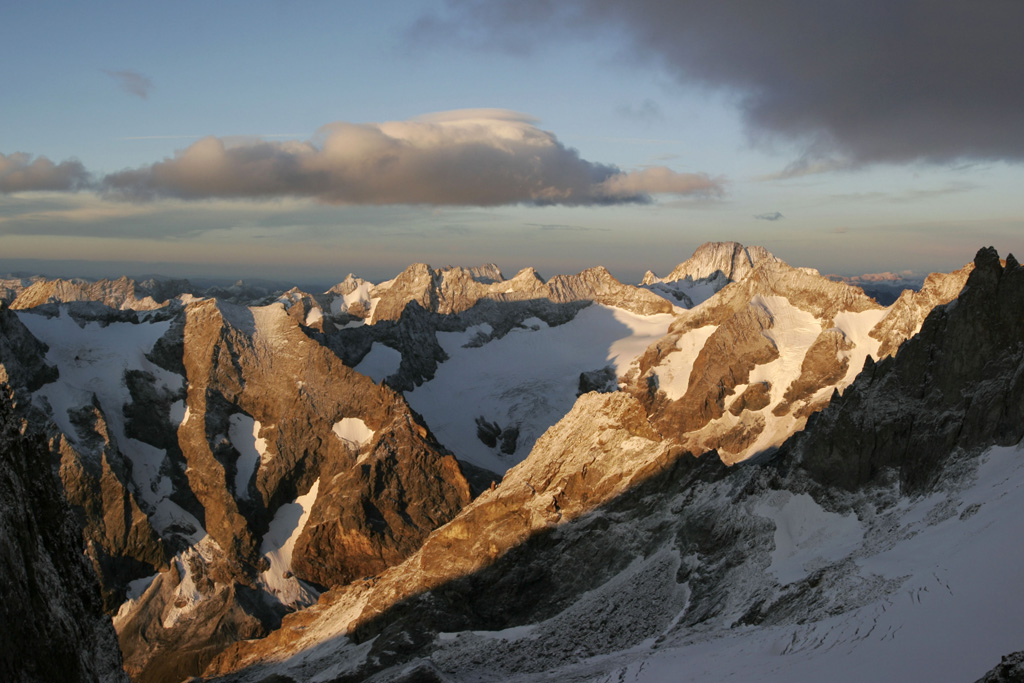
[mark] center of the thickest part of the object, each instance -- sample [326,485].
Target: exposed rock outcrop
[123,293]
[51,614]
[22,356]
[730,261]
[958,384]
[1009,670]
[907,314]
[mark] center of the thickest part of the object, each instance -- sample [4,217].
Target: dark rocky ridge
[1009,670]
[51,618]
[958,384]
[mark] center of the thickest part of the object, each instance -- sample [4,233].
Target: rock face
[121,293]
[958,384]
[1009,669]
[22,356]
[729,260]
[911,308]
[52,619]
[269,417]
[712,266]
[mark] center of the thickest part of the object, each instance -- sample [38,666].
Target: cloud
[19,172]
[132,82]
[658,179]
[853,82]
[476,157]
[773,216]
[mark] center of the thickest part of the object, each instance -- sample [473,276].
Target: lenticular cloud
[470,157]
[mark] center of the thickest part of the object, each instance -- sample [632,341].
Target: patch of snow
[456,340]
[673,372]
[697,291]
[137,587]
[353,431]
[793,331]
[856,327]
[92,360]
[243,431]
[278,545]
[381,362]
[314,316]
[179,413]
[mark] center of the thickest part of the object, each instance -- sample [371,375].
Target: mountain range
[741,468]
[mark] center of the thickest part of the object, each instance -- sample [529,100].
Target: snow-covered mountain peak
[713,266]
[732,259]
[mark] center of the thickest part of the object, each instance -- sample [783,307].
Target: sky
[302,141]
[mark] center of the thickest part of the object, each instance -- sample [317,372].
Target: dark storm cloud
[853,81]
[463,158]
[19,172]
[132,82]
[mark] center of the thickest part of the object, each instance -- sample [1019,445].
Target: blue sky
[200,138]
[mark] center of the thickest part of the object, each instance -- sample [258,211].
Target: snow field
[277,546]
[380,362]
[953,608]
[527,379]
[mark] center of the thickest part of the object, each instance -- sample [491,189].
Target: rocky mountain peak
[730,259]
[454,290]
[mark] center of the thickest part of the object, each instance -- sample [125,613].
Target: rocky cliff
[53,624]
[957,385]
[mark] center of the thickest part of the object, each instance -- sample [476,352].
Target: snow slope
[527,379]
[953,609]
[278,544]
